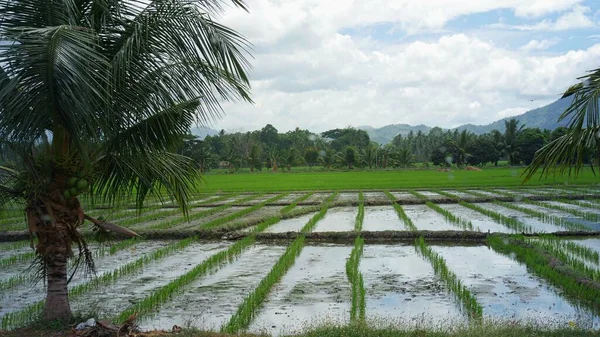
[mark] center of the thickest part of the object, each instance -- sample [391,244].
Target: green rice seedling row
[401,214]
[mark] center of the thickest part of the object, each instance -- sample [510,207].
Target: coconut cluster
[76,186]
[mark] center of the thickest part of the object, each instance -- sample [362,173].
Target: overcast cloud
[325,64]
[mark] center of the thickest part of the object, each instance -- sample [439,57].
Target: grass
[371,180]
[360,216]
[400,211]
[358,306]
[465,297]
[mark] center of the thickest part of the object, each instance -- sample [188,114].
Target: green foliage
[401,214]
[467,300]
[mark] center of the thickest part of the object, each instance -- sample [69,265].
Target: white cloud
[510,112]
[577,18]
[308,74]
[539,45]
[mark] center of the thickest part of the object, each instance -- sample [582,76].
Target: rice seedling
[572,282]
[585,253]
[567,258]
[357,309]
[310,225]
[360,216]
[582,203]
[594,217]
[15,245]
[400,211]
[447,194]
[15,259]
[252,303]
[455,220]
[296,212]
[32,312]
[509,222]
[201,214]
[547,218]
[166,292]
[467,300]
[418,195]
[295,202]
[241,213]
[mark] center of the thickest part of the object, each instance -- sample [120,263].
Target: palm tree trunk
[57,295]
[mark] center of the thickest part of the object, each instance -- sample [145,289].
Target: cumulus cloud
[539,44]
[307,73]
[577,18]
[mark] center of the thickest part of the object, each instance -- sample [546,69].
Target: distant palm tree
[95,95]
[581,142]
[511,136]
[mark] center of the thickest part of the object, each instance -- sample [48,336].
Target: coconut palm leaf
[581,142]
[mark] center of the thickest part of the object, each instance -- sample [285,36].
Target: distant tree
[511,136]
[289,158]
[311,156]
[529,142]
[254,158]
[368,155]
[404,157]
[327,158]
[350,157]
[482,150]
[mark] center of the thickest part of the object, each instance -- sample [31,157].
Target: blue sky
[325,64]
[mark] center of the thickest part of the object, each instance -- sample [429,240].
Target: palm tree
[95,96]
[368,155]
[511,136]
[581,142]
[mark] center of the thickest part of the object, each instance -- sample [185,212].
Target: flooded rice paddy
[313,284]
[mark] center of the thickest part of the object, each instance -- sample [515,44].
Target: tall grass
[249,307]
[360,216]
[547,218]
[467,300]
[400,211]
[509,222]
[358,306]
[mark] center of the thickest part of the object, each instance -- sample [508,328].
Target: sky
[323,64]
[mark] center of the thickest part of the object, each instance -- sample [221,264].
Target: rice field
[277,262]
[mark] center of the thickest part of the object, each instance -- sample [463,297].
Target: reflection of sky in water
[505,289]
[380,218]
[426,218]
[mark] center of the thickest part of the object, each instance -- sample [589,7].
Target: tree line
[349,148]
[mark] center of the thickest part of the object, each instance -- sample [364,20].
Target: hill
[203,131]
[545,117]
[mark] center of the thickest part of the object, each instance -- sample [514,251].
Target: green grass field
[370,180]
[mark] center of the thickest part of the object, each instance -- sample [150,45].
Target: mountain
[545,117]
[203,131]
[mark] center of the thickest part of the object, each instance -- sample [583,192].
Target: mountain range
[545,117]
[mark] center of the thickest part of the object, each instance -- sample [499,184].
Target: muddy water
[210,301]
[404,196]
[563,215]
[506,290]
[290,225]
[460,194]
[480,222]
[314,289]
[426,218]
[20,297]
[291,197]
[199,223]
[347,197]
[490,194]
[574,207]
[382,218]
[318,197]
[432,195]
[400,284]
[375,196]
[13,252]
[518,194]
[337,220]
[534,223]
